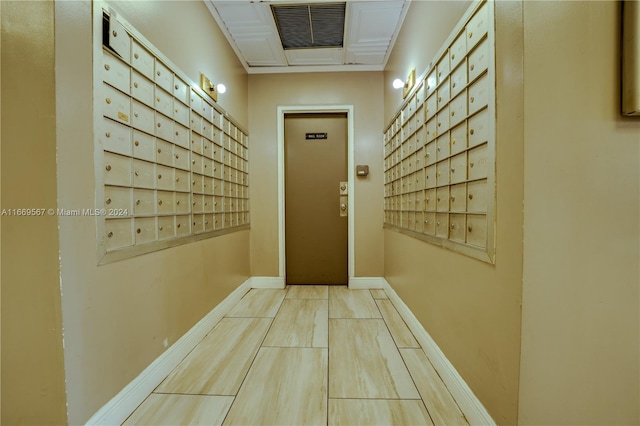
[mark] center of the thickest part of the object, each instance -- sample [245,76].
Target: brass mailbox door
[316,225]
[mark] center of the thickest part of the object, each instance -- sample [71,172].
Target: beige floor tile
[373,412]
[181,410]
[219,363]
[258,303]
[398,328]
[378,294]
[439,402]
[345,303]
[285,386]
[368,377]
[300,323]
[308,292]
[365,363]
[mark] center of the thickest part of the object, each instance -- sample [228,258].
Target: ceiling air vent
[317,25]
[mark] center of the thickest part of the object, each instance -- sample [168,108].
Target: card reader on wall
[362,171]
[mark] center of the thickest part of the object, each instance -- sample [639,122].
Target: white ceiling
[370,30]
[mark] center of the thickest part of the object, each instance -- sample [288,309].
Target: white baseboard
[470,405]
[364,283]
[132,395]
[267,282]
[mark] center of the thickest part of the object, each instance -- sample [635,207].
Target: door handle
[344,198]
[344,206]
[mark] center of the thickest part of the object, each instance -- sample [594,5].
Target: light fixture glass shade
[397,83]
[221,88]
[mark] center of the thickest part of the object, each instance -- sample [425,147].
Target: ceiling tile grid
[368,30]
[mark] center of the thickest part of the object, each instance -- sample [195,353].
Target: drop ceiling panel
[239,15]
[373,22]
[259,50]
[365,56]
[314,56]
[250,27]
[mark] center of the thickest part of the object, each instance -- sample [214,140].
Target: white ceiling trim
[314,68]
[394,37]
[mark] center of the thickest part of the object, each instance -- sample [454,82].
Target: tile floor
[305,355]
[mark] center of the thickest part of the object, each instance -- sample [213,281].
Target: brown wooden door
[315,234]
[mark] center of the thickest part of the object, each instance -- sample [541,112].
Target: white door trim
[282,110]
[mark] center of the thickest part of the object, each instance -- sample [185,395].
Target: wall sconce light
[406,85]
[221,88]
[397,83]
[208,87]
[409,83]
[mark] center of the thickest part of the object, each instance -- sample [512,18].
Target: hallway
[497,204]
[300,356]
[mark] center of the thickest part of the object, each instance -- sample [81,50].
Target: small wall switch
[362,171]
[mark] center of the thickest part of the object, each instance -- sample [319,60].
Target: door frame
[312,109]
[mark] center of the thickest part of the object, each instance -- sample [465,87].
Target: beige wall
[582,194]
[32,355]
[266,93]
[116,316]
[471,308]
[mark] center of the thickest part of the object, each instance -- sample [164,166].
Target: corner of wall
[33,385]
